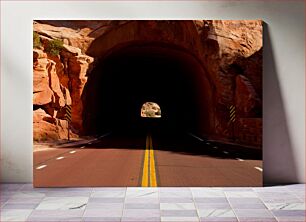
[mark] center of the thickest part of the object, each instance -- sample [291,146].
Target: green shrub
[54,47]
[36,40]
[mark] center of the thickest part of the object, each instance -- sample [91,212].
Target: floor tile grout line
[31,213]
[37,205]
[298,197]
[5,202]
[20,188]
[270,211]
[123,207]
[197,210]
[90,194]
[231,206]
[158,197]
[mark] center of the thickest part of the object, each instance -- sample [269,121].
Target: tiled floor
[21,202]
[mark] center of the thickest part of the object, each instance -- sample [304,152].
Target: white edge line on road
[207,143]
[215,147]
[194,136]
[258,168]
[73,151]
[225,152]
[239,159]
[100,137]
[40,167]
[104,135]
[59,158]
[82,147]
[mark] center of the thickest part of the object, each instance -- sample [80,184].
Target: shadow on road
[177,142]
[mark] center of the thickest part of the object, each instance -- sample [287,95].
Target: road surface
[147,160]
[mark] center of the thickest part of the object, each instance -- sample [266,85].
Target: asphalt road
[147,160]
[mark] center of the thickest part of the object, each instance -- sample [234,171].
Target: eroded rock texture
[58,80]
[232,52]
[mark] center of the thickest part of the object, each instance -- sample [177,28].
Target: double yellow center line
[149,173]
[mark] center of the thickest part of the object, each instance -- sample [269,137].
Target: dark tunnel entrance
[128,77]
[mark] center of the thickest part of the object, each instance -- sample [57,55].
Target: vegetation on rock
[36,40]
[54,47]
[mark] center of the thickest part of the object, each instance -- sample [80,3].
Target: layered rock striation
[58,80]
[232,52]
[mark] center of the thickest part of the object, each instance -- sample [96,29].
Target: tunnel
[133,74]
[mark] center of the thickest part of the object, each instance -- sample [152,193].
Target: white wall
[284,74]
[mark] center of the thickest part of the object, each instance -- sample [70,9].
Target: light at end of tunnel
[150,110]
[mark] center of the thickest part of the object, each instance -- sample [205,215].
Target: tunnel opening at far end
[150,110]
[128,77]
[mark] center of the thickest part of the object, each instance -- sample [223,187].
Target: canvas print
[147,103]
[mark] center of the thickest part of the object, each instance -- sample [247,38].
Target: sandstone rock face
[59,100]
[232,52]
[42,92]
[236,38]
[249,131]
[79,66]
[58,81]
[78,34]
[43,130]
[46,84]
[246,99]
[69,36]
[225,43]
[48,128]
